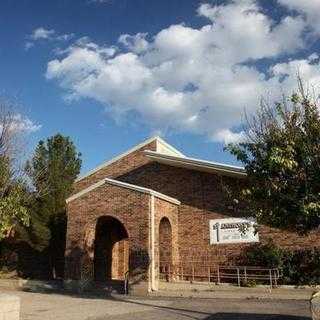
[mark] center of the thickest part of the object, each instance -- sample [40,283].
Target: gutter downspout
[151,286]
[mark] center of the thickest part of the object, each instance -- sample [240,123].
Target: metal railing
[126,282]
[242,275]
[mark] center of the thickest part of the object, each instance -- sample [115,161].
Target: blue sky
[111,73]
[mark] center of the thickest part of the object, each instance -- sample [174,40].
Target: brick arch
[111,249]
[128,206]
[110,215]
[90,233]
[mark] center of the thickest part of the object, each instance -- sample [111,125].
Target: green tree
[53,169]
[281,155]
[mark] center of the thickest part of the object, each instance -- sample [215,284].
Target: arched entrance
[111,250]
[165,248]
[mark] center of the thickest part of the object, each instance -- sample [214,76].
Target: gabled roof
[167,154]
[161,146]
[196,164]
[126,186]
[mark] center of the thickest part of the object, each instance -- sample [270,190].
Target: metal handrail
[126,282]
[209,273]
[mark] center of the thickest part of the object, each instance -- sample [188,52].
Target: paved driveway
[64,307]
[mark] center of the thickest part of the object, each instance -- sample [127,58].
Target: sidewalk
[206,291]
[187,290]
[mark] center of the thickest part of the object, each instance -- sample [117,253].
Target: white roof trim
[123,185]
[86,190]
[168,146]
[196,164]
[140,145]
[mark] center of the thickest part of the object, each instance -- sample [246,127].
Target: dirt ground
[54,306]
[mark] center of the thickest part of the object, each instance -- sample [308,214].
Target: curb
[294,296]
[315,306]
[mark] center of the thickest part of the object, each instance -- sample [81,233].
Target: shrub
[264,255]
[299,267]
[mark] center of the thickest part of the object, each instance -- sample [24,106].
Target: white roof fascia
[135,148]
[196,163]
[123,185]
[107,163]
[86,190]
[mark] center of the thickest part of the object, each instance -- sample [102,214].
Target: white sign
[232,230]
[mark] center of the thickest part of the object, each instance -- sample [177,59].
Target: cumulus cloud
[191,79]
[308,8]
[136,43]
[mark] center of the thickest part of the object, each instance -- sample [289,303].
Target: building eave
[123,185]
[196,164]
[158,141]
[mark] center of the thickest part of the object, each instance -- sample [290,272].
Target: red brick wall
[169,211]
[124,165]
[202,199]
[131,208]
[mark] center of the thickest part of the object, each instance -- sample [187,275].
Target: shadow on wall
[193,188]
[139,262]
[80,266]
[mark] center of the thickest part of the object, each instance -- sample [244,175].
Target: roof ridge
[118,157]
[156,138]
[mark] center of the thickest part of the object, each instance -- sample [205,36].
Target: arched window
[165,245]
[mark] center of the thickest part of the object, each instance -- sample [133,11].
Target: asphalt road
[64,307]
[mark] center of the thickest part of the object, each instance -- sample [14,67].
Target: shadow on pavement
[190,313]
[253,316]
[217,316]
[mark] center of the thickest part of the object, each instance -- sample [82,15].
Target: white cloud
[28,45]
[309,8]
[227,136]
[22,124]
[136,43]
[43,34]
[313,57]
[191,79]
[308,69]
[99,1]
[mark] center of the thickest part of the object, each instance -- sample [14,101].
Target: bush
[264,255]
[299,267]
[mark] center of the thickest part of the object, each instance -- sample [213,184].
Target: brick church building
[151,208]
